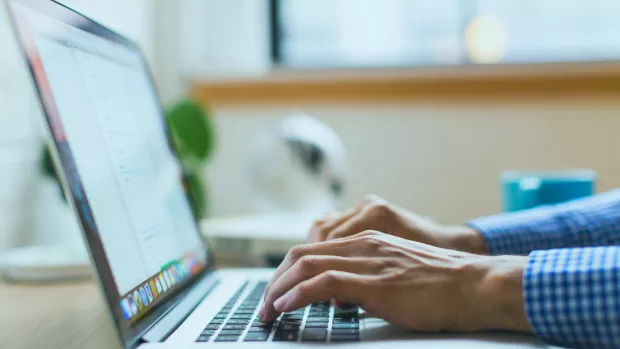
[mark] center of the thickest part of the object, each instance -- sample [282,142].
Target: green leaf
[192,130]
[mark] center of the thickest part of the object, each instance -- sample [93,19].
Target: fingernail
[280,303]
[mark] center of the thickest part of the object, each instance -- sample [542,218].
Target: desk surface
[69,316]
[54,316]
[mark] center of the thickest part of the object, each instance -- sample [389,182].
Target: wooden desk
[55,317]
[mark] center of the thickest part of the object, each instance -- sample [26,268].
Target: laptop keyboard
[319,322]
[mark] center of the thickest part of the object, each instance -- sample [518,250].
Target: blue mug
[524,190]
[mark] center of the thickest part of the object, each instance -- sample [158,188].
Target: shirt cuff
[571,296]
[521,232]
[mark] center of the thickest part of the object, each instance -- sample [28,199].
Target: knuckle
[307,263]
[332,279]
[297,252]
[302,289]
[381,209]
[372,237]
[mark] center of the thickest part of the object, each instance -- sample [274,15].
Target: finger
[315,231]
[327,228]
[346,287]
[355,225]
[360,217]
[306,268]
[322,228]
[339,247]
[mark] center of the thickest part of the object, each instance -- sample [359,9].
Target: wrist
[495,296]
[464,238]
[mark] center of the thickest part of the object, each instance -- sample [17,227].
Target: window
[379,33]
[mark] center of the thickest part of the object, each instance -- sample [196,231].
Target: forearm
[590,222]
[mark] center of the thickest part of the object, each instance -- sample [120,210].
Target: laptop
[122,177]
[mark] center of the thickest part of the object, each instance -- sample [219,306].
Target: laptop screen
[113,145]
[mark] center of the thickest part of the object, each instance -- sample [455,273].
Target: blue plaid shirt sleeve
[589,222]
[571,286]
[572,296]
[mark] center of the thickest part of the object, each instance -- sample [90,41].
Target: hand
[417,286]
[374,213]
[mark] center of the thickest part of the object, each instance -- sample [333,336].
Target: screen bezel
[130,332]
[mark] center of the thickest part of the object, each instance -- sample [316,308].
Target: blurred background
[431,99]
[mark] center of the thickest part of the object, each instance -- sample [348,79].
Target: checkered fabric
[572,283]
[572,296]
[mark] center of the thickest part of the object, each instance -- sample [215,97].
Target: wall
[19,113]
[439,160]
[208,39]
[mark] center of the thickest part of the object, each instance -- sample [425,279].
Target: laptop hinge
[165,326]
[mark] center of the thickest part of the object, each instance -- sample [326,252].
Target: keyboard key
[241,317]
[339,311]
[212,327]
[290,322]
[317,319]
[231,332]
[316,325]
[314,335]
[346,316]
[221,338]
[292,316]
[345,338]
[285,337]
[256,337]
[220,317]
[234,327]
[346,325]
[351,320]
[203,339]
[288,328]
[216,322]
[259,323]
[261,329]
[237,322]
[208,333]
[244,312]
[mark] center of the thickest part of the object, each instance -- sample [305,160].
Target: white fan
[300,166]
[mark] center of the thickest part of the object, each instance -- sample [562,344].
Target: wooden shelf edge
[405,85]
